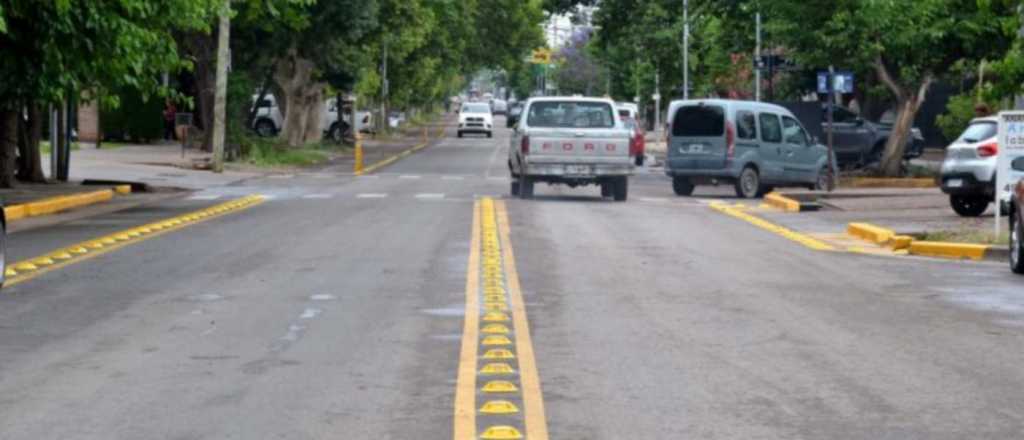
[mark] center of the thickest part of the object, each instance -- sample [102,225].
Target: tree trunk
[202,48]
[303,100]
[908,102]
[8,146]
[30,167]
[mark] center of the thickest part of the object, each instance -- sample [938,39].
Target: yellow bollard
[357,168]
[426,136]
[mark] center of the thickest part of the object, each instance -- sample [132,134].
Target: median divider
[53,205]
[889,238]
[782,202]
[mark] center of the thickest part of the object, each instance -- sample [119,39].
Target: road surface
[337,309]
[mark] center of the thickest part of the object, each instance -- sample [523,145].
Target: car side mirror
[1018,164]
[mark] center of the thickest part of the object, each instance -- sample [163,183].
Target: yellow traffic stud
[499,354]
[145,230]
[495,307]
[494,298]
[501,432]
[499,407]
[78,250]
[497,369]
[157,226]
[97,244]
[43,261]
[495,317]
[63,255]
[134,233]
[25,267]
[122,237]
[10,272]
[496,340]
[495,329]
[107,240]
[499,386]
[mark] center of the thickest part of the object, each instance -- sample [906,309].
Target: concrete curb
[887,182]
[782,202]
[53,205]
[959,251]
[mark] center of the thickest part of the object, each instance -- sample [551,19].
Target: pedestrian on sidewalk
[169,111]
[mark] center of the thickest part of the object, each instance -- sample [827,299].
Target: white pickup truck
[572,141]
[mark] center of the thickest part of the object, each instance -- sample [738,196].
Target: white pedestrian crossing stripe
[433,196]
[205,197]
[453,177]
[317,196]
[407,176]
[371,196]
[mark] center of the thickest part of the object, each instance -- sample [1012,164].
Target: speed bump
[501,432]
[499,407]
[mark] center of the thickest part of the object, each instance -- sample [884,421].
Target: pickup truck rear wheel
[515,188]
[606,189]
[525,187]
[748,185]
[1017,245]
[620,189]
[969,206]
[682,186]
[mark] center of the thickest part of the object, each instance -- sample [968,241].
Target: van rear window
[699,121]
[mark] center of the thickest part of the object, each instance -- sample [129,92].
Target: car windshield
[571,114]
[476,108]
[978,131]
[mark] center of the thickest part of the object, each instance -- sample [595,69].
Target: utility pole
[385,122]
[757,60]
[686,49]
[829,116]
[220,95]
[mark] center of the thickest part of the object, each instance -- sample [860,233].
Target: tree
[51,51]
[909,44]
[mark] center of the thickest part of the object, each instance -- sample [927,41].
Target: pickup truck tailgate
[577,145]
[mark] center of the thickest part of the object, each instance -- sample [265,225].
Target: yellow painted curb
[871,233]
[123,189]
[57,204]
[887,182]
[782,202]
[901,242]
[15,212]
[948,250]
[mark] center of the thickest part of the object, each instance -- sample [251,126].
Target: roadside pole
[657,103]
[686,49]
[357,167]
[831,102]
[757,59]
[220,95]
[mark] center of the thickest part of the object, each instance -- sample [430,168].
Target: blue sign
[842,82]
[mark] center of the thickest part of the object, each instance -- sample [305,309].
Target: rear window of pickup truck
[571,114]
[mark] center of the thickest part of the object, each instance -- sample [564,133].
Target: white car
[475,117]
[969,171]
[499,107]
[268,121]
[364,121]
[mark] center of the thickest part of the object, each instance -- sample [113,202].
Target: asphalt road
[336,310]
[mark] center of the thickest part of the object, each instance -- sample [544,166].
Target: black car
[857,141]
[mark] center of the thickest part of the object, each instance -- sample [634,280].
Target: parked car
[857,142]
[755,146]
[1017,220]
[572,141]
[499,107]
[475,117]
[514,111]
[628,110]
[268,119]
[336,130]
[969,170]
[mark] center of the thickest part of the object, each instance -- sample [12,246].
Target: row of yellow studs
[495,333]
[70,252]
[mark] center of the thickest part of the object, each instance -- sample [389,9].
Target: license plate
[955,183]
[577,169]
[697,148]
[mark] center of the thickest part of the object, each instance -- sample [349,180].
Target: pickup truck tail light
[730,140]
[988,150]
[524,146]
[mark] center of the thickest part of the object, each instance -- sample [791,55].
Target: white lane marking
[453,177]
[318,196]
[408,176]
[371,196]
[294,333]
[205,197]
[653,199]
[310,313]
[430,196]
[281,176]
[369,176]
[501,178]
[322,297]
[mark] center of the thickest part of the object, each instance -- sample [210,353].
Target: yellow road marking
[803,239]
[394,158]
[529,378]
[22,271]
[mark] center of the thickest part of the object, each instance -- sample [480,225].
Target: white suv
[475,117]
[969,171]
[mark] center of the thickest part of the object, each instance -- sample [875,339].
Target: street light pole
[757,60]
[686,49]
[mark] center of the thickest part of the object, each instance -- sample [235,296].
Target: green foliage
[136,117]
[958,114]
[269,153]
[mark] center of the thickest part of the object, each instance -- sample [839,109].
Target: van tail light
[988,150]
[633,144]
[524,146]
[730,140]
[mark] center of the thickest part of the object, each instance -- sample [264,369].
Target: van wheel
[620,189]
[265,128]
[748,186]
[682,186]
[969,206]
[525,187]
[515,188]
[1017,245]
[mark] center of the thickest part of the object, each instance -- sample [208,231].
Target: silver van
[753,145]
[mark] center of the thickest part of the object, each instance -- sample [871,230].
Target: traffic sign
[1010,146]
[842,82]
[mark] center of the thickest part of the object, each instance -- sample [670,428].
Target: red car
[1017,222]
[637,144]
